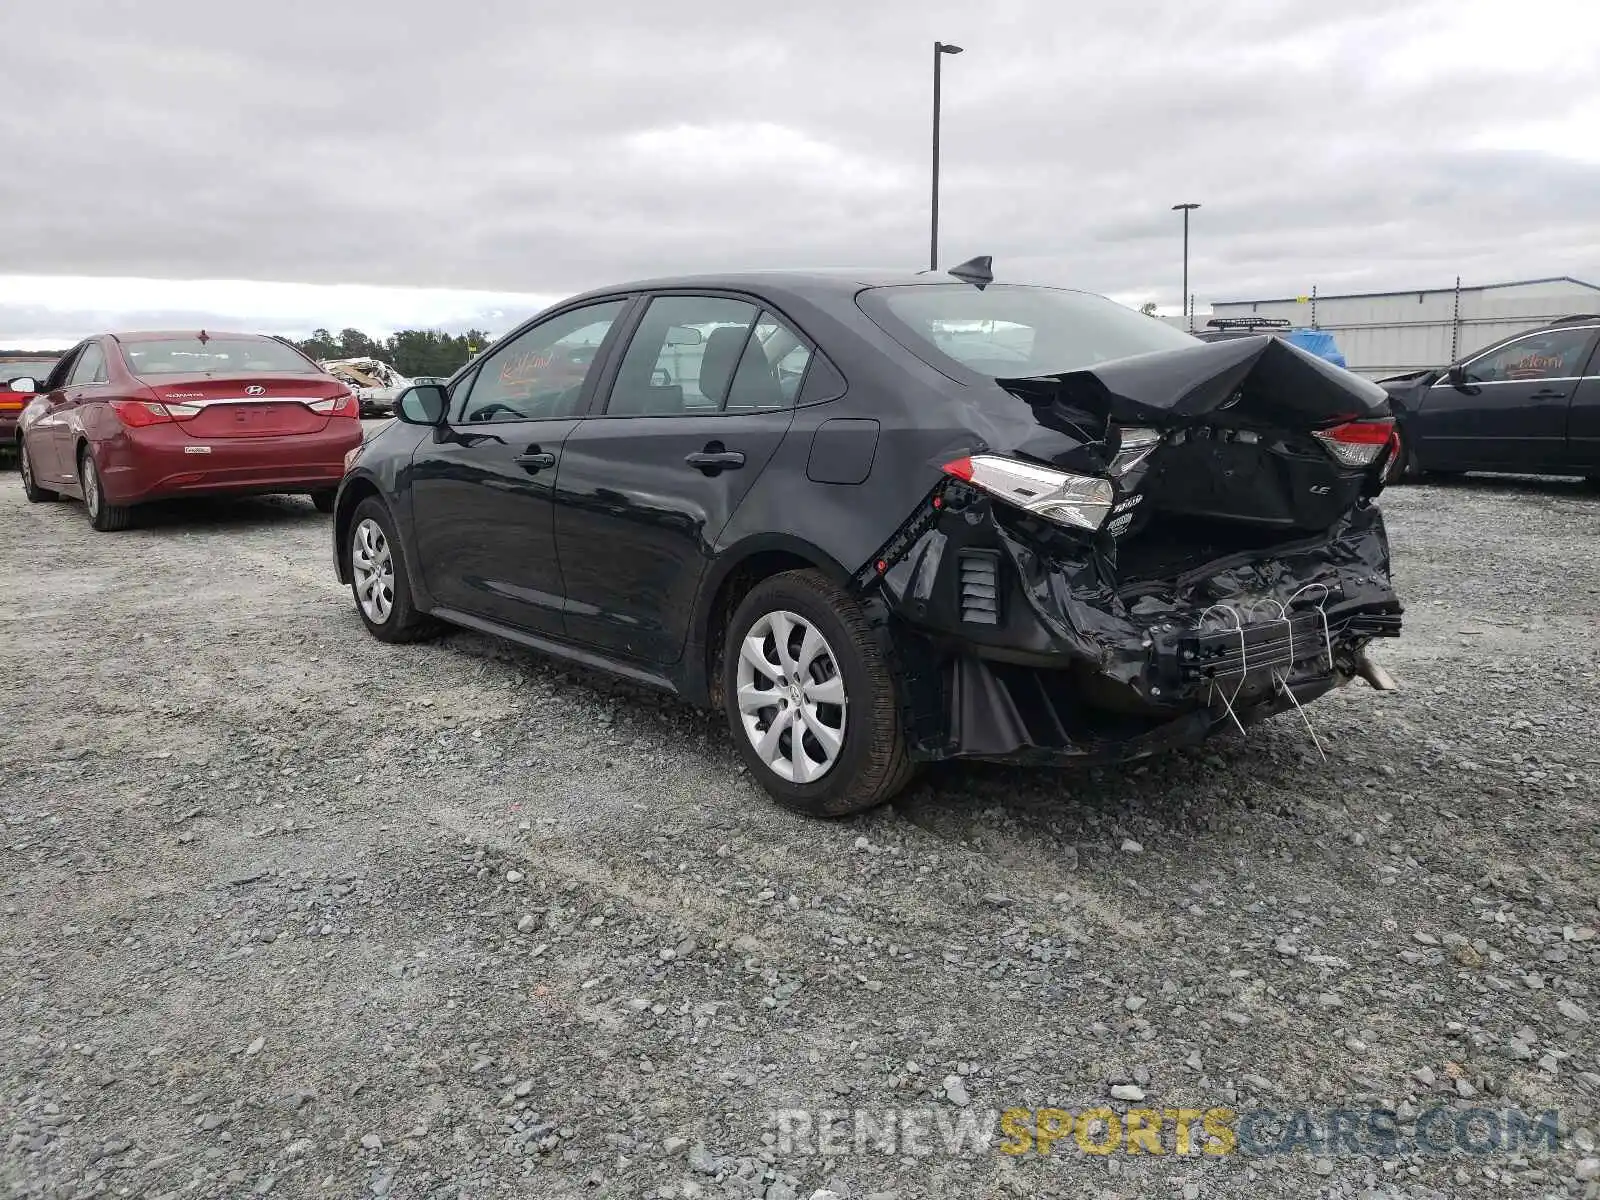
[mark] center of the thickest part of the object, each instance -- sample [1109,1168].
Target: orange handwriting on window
[522,368]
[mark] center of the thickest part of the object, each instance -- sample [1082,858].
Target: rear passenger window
[683,357]
[91,365]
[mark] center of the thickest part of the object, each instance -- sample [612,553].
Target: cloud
[537,150]
[46,311]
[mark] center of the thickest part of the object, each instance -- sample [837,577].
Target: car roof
[836,282]
[163,335]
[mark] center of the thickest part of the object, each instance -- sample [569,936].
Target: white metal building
[1389,333]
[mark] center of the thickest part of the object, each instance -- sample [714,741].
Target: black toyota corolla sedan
[884,520]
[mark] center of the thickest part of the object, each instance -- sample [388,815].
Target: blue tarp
[1318,342]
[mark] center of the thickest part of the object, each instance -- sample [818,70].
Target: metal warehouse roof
[1477,287]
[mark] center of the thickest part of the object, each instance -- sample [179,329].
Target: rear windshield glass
[1015,329]
[176,356]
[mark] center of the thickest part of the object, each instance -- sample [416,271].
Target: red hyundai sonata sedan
[128,418]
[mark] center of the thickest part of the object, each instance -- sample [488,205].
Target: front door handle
[1549,394]
[715,458]
[535,459]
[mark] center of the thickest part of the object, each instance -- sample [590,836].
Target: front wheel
[378,577]
[103,515]
[30,486]
[810,699]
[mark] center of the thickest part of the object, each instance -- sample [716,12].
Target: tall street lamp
[1187,307]
[940,49]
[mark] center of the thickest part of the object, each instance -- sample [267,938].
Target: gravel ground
[286,911]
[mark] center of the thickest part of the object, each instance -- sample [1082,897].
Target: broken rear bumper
[1012,649]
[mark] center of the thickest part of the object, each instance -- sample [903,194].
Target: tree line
[412,352]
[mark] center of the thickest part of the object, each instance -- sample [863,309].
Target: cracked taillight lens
[1357,443]
[1079,501]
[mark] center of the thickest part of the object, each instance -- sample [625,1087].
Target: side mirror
[1457,375]
[24,384]
[422,404]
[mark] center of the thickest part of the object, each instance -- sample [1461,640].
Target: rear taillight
[136,414]
[340,405]
[1357,443]
[1076,500]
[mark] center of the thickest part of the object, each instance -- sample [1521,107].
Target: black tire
[323,501]
[402,622]
[30,486]
[107,518]
[871,765]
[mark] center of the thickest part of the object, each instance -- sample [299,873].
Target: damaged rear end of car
[1170,544]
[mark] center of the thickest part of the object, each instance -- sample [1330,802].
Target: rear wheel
[103,515]
[322,501]
[30,486]
[810,699]
[378,578]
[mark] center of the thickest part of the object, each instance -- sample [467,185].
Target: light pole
[1188,308]
[940,49]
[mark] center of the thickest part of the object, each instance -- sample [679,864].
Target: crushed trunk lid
[1249,431]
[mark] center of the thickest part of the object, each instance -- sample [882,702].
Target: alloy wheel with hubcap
[103,515]
[91,487]
[372,566]
[792,698]
[809,693]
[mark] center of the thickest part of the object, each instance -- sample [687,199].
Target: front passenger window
[1556,354]
[62,371]
[540,373]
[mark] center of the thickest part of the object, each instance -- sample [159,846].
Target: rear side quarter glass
[823,380]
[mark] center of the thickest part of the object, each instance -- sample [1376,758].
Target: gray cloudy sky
[524,151]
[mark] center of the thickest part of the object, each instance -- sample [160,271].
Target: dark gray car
[881,520]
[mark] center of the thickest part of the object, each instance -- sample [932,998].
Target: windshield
[1009,330]
[232,356]
[25,368]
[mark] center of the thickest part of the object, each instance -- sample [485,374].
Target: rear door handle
[714,458]
[535,459]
